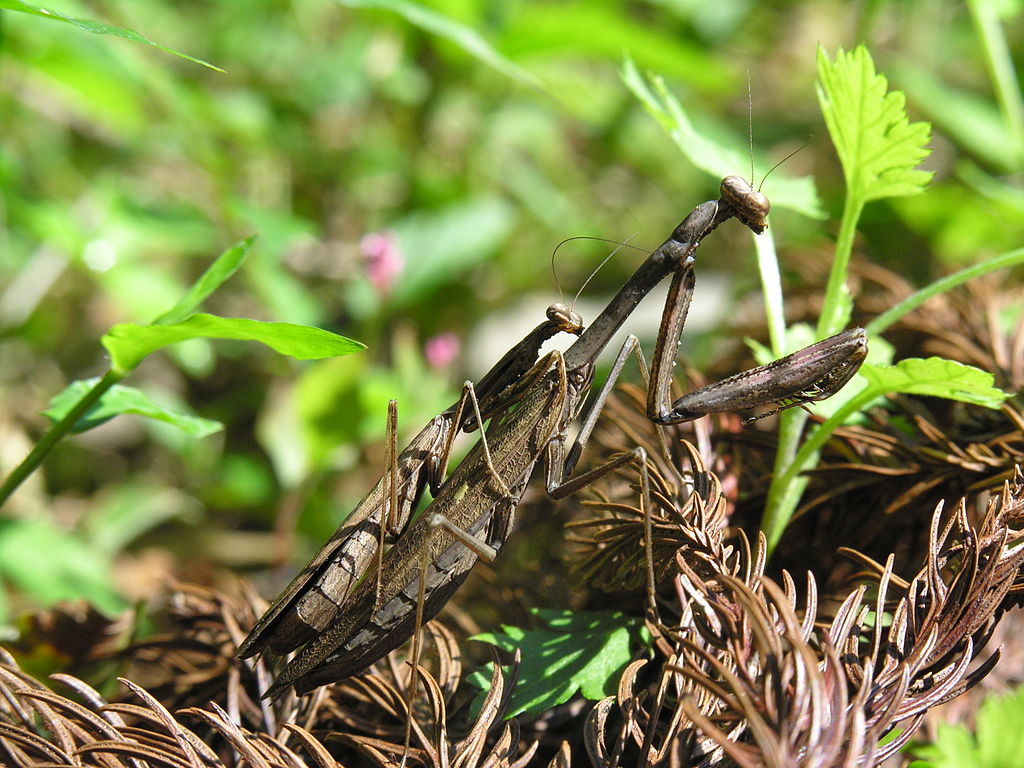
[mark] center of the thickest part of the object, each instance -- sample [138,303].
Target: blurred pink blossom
[384,259]
[441,350]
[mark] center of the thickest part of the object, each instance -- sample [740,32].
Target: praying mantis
[340,618]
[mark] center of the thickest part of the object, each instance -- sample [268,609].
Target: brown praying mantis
[340,618]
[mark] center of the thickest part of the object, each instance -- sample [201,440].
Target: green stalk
[835,309]
[771,289]
[809,450]
[787,487]
[54,435]
[783,497]
[1001,70]
[916,299]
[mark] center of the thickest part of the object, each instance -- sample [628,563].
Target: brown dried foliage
[191,668]
[752,671]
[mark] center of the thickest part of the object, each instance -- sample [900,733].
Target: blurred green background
[409,174]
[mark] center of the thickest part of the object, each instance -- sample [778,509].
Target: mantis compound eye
[751,206]
[566,319]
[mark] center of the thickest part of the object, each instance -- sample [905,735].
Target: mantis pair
[341,618]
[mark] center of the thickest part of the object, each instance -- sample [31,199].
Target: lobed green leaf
[998,741]
[877,144]
[936,377]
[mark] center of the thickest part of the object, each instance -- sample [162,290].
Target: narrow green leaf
[216,275]
[461,35]
[797,194]
[580,651]
[877,144]
[98,28]
[936,377]
[120,400]
[129,343]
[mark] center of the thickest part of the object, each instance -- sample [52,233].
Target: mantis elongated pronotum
[471,514]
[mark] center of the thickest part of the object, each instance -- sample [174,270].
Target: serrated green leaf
[936,377]
[797,194]
[877,144]
[223,267]
[98,28]
[120,400]
[465,37]
[580,651]
[129,343]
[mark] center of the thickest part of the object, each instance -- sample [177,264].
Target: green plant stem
[782,498]
[816,439]
[835,309]
[54,434]
[1001,70]
[916,299]
[771,289]
[786,487]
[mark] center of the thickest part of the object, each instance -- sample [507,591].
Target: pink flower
[441,350]
[384,259]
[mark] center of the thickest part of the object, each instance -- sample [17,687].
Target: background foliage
[469,137]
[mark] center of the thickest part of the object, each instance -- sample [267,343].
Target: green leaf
[119,400]
[124,512]
[936,377]
[97,28]
[52,564]
[877,144]
[216,275]
[464,37]
[442,244]
[129,343]
[997,743]
[581,651]
[797,194]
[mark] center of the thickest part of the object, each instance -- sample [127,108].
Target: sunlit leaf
[877,144]
[120,400]
[936,377]
[222,268]
[998,741]
[97,28]
[52,564]
[583,651]
[129,343]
